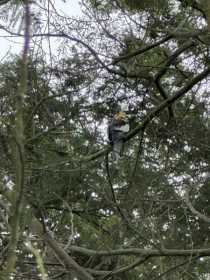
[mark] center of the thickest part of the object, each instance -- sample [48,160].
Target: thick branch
[165,103]
[143,252]
[162,72]
[66,259]
[173,57]
[143,50]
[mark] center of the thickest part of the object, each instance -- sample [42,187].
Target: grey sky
[14,45]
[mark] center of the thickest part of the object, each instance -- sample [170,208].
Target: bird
[117,129]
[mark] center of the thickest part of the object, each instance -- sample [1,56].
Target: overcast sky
[12,45]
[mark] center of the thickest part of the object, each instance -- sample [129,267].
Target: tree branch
[142,50]
[143,252]
[176,267]
[162,72]
[156,111]
[2,2]
[66,259]
[19,149]
[193,210]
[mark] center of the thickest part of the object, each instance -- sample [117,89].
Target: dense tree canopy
[67,210]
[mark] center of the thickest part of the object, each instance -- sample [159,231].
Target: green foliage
[136,5]
[121,51]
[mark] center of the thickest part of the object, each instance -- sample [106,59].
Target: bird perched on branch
[117,129]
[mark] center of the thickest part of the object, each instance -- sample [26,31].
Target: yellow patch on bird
[120,116]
